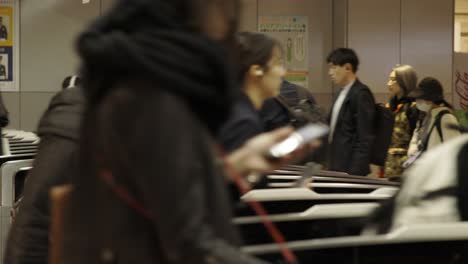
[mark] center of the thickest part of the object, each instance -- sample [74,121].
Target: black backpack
[383,129]
[437,125]
[302,112]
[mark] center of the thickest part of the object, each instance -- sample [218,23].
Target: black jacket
[353,135]
[244,123]
[28,241]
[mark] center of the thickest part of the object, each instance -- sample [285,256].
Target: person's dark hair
[71,81]
[341,56]
[431,89]
[253,49]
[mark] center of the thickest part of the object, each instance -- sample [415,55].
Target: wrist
[236,161]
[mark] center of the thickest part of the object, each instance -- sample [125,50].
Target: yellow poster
[6,26]
[9,50]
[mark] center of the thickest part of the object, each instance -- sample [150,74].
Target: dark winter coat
[28,241]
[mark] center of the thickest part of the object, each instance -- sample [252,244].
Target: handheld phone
[297,139]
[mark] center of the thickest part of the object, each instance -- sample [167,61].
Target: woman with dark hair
[158,87]
[434,129]
[401,82]
[260,73]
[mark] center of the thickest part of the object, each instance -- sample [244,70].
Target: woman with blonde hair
[402,80]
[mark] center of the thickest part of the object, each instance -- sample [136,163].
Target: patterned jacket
[406,117]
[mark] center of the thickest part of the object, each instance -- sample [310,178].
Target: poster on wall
[460,93]
[9,56]
[292,33]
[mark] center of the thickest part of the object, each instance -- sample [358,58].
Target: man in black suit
[351,117]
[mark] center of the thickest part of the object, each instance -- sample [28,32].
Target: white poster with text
[292,33]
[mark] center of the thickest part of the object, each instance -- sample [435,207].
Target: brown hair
[406,78]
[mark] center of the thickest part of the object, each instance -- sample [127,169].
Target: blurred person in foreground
[151,188]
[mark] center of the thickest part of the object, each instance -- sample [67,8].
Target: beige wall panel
[320,33]
[48,33]
[33,106]
[382,97]
[248,20]
[106,5]
[340,23]
[12,104]
[340,28]
[427,41]
[448,95]
[374,33]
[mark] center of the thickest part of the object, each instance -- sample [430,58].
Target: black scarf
[145,40]
[394,102]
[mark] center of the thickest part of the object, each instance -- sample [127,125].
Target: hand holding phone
[297,139]
[254,155]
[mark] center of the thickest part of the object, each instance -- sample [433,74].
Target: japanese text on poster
[292,33]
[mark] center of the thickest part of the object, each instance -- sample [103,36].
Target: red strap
[243,186]
[380,172]
[275,233]
[123,194]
